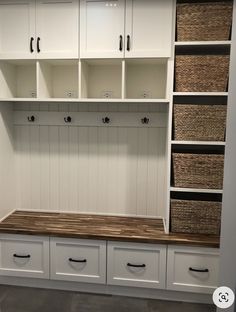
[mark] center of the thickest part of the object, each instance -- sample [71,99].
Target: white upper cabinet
[39,29]
[102,28]
[57,28]
[135,28]
[148,28]
[17,29]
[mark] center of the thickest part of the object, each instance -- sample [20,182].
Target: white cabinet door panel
[135,264]
[24,256]
[192,269]
[79,260]
[17,27]
[102,24]
[57,26]
[149,25]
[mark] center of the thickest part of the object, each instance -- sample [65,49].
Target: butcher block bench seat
[101,227]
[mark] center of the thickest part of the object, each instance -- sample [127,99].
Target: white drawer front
[139,265]
[78,260]
[24,256]
[192,269]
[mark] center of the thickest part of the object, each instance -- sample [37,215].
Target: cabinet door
[17,29]
[102,28]
[148,28]
[57,28]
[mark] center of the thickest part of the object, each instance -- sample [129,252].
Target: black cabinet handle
[136,265]
[121,43]
[145,120]
[128,43]
[106,120]
[31,44]
[38,46]
[199,270]
[21,256]
[67,119]
[31,118]
[78,261]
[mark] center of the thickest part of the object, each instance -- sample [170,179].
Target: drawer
[24,256]
[192,269]
[78,260]
[138,265]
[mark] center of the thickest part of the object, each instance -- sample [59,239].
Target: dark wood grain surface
[88,226]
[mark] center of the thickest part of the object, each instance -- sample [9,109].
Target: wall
[228,234]
[111,170]
[7,186]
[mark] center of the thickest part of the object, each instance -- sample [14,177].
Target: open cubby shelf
[85,80]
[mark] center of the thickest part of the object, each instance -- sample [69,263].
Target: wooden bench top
[132,229]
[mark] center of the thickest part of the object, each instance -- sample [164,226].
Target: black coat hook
[67,119]
[145,120]
[31,118]
[106,120]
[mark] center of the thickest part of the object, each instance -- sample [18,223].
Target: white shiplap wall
[110,170]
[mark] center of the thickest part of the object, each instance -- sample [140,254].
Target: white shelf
[200,93]
[193,190]
[85,100]
[219,143]
[202,43]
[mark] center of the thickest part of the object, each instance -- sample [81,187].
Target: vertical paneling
[111,170]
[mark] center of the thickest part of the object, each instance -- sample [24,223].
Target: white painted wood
[36,266]
[58,79]
[17,79]
[86,100]
[149,25]
[150,276]
[91,169]
[91,271]
[17,26]
[202,43]
[180,259]
[146,79]
[102,79]
[193,190]
[91,119]
[198,143]
[7,165]
[201,93]
[101,25]
[57,26]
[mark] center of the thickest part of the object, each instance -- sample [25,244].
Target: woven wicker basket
[204,21]
[199,122]
[204,171]
[201,73]
[195,217]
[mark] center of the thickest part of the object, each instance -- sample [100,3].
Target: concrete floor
[21,299]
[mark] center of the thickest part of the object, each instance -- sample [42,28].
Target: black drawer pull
[136,265]
[199,270]
[21,256]
[78,261]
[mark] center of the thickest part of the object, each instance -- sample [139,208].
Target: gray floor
[20,299]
